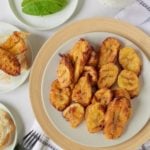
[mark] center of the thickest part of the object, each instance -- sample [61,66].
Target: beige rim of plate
[89,25]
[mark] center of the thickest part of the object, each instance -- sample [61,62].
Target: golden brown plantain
[116,118]
[135,92]
[130,60]
[94,117]
[108,51]
[65,71]
[93,59]
[128,80]
[103,96]
[59,97]
[82,92]
[74,114]
[107,75]
[91,71]
[9,63]
[121,93]
[16,43]
[80,54]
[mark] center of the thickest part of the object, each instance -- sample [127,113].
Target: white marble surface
[18,100]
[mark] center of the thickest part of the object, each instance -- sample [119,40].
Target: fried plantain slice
[16,43]
[65,71]
[129,60]
[116,118]
[80,54]
[74,114]
[121,93]
[128,80]
[94,117]
[107,75]
[103,96]
[91,71]
[59,97]
[9,63]
[93,59]
[135,92]
[108,51]
[82,92]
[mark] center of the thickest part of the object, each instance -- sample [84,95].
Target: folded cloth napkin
[138,14]
[44,142]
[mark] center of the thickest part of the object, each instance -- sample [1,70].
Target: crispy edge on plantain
[65,72]
[121,93]
[92,72]
[93,59]
[16,43]
[103,96]
[108,51]
[9,63]
[80,54]
[82,92]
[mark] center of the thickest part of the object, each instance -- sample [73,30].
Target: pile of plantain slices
[97,86]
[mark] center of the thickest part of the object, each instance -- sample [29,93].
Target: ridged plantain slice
[108,51]
[74,114]
[128,80]
[107,75]
[94,117]
[130,60]
[116,118]
[59,97]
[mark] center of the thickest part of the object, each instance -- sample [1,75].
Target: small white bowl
[14,141]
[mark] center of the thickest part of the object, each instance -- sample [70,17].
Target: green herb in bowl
[42,7]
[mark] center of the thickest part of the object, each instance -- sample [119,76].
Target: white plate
[10,147]
[44,22]
[141,111]
[7,29]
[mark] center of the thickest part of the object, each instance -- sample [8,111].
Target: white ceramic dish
[44,22]
[141,111]
[6,29]
[14,141]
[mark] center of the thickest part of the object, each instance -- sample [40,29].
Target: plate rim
[40,28]
[27,71]
[42,83]
[100,24]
